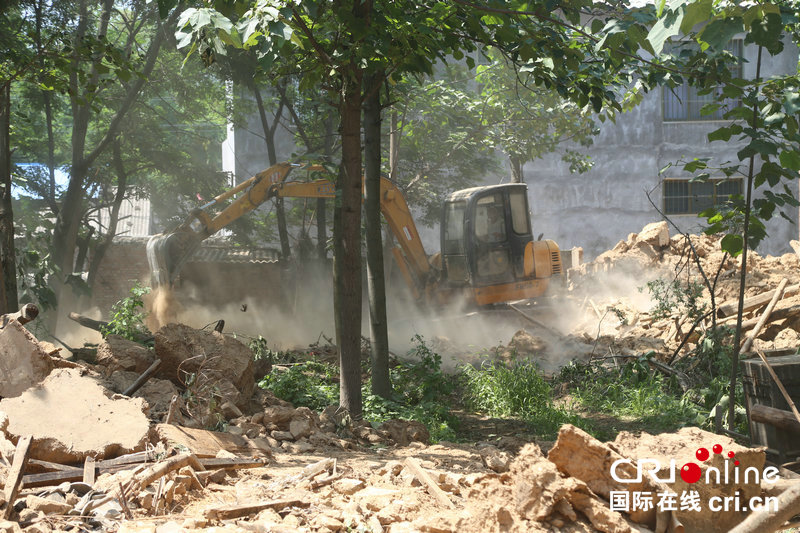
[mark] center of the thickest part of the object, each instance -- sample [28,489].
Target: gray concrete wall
[597,209]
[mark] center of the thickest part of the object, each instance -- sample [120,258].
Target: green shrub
[631,390]
[516,390]
[127,319]
[311,383]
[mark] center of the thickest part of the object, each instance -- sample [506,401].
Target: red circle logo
[690,473]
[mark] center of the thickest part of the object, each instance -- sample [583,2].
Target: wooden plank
[37,466]
[76,474]
[765,316]
[214,463]
[203,443]
[228,512]
[89,471]
[779,383]
[428,482]
[774,417]
[131,458]
[15,476]
[730,308]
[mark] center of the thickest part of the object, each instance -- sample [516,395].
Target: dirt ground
[280,469]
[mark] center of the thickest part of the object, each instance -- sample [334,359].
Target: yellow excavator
[488,254]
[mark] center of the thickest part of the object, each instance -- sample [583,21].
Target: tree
[766,120]
[109,62]
[528,122]
[338,46]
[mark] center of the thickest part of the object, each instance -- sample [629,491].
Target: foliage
[422,387]
[421,393]
[127,316]
[676,299]
[310,383]
[516,390]
[633,390]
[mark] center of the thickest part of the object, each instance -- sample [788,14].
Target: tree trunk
[70,213]
[48,115]
[743,274]
[8,283]
[517,173]
[347,253]
[269,139]
[394,145]
[376,284]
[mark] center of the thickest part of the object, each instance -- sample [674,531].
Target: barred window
[684,197]
[683,102]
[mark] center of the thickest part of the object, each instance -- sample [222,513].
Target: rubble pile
[124,443]
[617,306]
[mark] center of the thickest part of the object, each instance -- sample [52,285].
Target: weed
[516,390]
[127,318]
[632,390]
[673,298]
[310,383]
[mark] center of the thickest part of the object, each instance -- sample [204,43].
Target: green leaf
[719,32]
[665,28]
[165,6]
[696,12]
[790,159]
[721,134]
[791,102]
[733,244]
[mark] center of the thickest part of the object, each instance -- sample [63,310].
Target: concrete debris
[23,362]
[207,362]
[82,419]
[682,447]
[158,393]
[118,353]
[404,432]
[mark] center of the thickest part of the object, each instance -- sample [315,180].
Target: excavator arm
[169,251]
[409,253]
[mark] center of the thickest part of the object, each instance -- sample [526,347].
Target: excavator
[488,254]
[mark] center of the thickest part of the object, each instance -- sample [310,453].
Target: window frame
[685,101]
[717,197]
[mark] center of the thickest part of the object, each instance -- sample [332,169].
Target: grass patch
[518,390]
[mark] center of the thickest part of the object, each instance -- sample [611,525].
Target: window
[683,102]
[684,197]
[454,228]
[520,220]
[490,223]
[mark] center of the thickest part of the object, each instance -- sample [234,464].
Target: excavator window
[453,246]
[454,228]
[520,219]
[490,224]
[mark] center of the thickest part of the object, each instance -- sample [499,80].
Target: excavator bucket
[167,252]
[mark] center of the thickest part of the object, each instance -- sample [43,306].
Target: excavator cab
[488,246]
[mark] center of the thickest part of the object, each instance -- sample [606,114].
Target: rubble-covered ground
[85,446]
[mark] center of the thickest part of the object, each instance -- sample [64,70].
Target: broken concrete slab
[118,353]
[682,447]
[218,362]
[655,234]
[72,416]
[23,362]
[404,432]
[583,457]
[158,393]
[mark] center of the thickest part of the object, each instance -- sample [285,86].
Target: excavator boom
[168,252]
